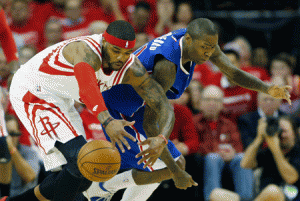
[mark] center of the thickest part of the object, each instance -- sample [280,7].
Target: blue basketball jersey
[124,99]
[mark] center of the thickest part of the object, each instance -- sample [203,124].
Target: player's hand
[183,180]
[280,92]
[116,132]
[153,152]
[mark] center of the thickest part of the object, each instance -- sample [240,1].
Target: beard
[106,57]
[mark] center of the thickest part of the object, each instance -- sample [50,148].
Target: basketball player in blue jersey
[170,59]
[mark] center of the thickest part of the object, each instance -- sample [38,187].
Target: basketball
[98,160]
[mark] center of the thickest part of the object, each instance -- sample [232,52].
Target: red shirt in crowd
[184,128]
[80,28]
[238,100]
[213,135]
[31,31]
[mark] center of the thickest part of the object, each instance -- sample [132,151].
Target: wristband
[163,137]
[13,151]
[107,121]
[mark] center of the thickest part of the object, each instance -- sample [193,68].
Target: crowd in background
[215,120]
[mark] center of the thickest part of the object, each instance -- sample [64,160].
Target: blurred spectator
[205,73]
[194,89]
[184,99]
[139,19]
[25,160]
[77,20]
[248,123]
[97,27]
[280,162]
[53,9]
[25,24]
[221,145]
[4,70]
[5,159]
[52,34]
[112,10]
[165,13]
[241,45]
[26,53]
[260,58]
[282,66]
[237,100]
[184,15]
[8,43]
[184,134]
[92,126]
[141,39]
[128,8]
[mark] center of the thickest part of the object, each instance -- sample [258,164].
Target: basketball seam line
[94,150]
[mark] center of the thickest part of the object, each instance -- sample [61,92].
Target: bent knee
[181,162]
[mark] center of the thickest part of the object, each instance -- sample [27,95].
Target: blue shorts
[128,160]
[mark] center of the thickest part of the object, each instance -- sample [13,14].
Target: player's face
[202,49]
[114,56]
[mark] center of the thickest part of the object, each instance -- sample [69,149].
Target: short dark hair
[121,29]
[142,4]
[200,27]
[230,51]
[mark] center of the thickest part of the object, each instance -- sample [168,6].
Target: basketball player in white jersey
[44,89]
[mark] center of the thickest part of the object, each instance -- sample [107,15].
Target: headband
[127,44]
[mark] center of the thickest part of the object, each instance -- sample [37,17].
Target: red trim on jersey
[139,139]
[120,72]
[30,98]
[140,52]
[95,45]
[127,44]
[37,140]
[60,64]
[46,68]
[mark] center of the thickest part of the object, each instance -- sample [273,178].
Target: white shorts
[48,118]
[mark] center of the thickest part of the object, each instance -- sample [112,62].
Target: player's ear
[188,39]
[103,41]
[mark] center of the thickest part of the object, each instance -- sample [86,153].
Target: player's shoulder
[167,41]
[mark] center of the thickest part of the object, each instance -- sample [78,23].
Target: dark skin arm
[79,51]
[153,94]
[154,91]
[245,79]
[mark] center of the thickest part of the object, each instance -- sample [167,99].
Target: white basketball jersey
[49,72]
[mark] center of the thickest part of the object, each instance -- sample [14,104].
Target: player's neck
[185,56]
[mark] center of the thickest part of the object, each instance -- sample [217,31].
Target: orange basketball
[98,160]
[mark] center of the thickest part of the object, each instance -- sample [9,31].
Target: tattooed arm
[153,94]
[163,115]
[164,73]
[245,79]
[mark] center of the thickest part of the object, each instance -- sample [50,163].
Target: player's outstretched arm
[245,79]
[86,62]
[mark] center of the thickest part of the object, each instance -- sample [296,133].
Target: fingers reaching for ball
[117,134]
